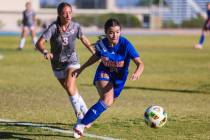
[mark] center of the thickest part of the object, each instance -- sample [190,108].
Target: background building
[152,13]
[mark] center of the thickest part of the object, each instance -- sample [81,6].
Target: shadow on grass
[12,135]
[20,136]
[169,90]
[28,126]
[162,90]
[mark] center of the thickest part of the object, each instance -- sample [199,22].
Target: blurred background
[91,14]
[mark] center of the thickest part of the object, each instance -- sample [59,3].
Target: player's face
[28,6]
[113,34]
[66,15]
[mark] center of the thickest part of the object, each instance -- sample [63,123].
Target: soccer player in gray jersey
[62,35]
[28,23]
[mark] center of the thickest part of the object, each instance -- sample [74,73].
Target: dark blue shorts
[118,83]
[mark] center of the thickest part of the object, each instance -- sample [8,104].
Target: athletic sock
[83,106]
[94,112]
[22,43]
[76,106]
[34,40]
[202,38]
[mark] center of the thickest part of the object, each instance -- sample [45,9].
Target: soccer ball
[155,116]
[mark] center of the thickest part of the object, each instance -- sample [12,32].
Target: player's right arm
[94,58]
[40,47]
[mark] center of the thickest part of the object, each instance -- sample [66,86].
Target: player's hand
[48,55]
[135,76]
[76,72]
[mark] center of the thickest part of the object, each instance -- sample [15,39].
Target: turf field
[176,77]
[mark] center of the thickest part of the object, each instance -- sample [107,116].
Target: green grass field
[176,77]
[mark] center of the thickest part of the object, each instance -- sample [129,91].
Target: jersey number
[65,41]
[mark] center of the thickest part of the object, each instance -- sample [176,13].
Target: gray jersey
[63,44]
[28,18]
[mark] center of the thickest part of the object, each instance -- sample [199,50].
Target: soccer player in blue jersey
[28,23]
[114,53]
[205,30]
[62,35]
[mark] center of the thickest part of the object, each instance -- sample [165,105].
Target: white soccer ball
[155,116]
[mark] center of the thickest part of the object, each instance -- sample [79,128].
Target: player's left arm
[87,44]
[139,69]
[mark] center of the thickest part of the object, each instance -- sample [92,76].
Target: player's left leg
[201,41]
[106,92]
[83,106]
[68,83]
[33,35]
[72,91]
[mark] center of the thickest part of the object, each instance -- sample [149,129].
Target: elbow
[141,65]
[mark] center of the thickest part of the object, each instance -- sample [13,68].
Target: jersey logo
[72,31]
[94,111]
[109,63]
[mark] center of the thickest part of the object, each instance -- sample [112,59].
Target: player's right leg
[106,92]
[23,38]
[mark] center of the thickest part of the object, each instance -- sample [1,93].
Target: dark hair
[60,8]
[111,23]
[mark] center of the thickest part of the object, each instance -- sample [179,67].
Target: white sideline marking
[1,57]
[42,126]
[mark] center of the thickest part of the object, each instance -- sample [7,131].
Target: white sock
[83,106]
[22,43]
[76,106]
[34,40]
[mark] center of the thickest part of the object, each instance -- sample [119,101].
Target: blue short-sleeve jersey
[116,57]
[115,60]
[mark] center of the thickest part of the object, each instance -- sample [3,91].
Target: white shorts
[31,28]
[63,73]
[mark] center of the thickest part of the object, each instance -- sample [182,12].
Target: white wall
[17,5]
[11,12]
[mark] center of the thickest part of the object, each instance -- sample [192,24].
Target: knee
[108,101]
[70,88]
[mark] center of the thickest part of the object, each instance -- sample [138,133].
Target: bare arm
[94,58]
[139,69]
[87,44]
[40,47]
